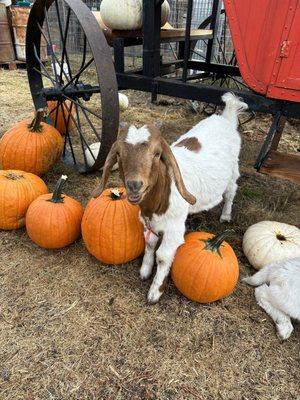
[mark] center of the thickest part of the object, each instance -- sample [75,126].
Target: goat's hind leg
[263,295]
[229,196]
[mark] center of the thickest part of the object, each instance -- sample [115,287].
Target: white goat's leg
[229,197]
[164,258]
[282,320]
[148,259]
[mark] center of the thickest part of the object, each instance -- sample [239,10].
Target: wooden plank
[167,35]
[7,53]
[286,166]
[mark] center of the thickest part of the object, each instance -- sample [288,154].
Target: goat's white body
[209,174]
[278,293]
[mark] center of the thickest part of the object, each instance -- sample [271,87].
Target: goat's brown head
[139,153]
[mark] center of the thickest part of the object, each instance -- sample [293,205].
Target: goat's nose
[134,186]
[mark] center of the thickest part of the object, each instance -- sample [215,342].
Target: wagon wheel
[222,53]
[78,69]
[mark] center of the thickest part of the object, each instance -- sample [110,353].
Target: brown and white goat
[168,183]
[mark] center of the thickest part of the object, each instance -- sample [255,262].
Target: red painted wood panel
[259,29]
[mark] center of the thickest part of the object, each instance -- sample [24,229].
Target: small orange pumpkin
[111,228]
[31,146]
[53,220]
[205,268]
[17,190]
[60,115]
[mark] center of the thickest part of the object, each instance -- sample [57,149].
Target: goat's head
[139,153]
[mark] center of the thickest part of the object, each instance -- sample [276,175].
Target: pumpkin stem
[57,193]
[35,125]
[215,242]
[115,194]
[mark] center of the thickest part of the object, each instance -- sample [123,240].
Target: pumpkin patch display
[205,268]
[268,242]
[31,146]
[59,114]
[111,229]
[18,189]
[53,220]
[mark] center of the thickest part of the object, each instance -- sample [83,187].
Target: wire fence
[202,9]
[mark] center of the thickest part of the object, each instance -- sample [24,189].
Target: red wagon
[266,36]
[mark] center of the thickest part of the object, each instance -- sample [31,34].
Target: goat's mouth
[135,198]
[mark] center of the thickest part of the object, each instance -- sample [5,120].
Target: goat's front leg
[148,259]
[164,258]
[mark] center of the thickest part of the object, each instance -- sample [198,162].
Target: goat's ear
[172,166]
[110,161]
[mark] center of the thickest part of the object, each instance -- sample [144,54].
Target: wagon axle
[74,92]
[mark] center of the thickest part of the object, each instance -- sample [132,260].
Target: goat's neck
[157,200]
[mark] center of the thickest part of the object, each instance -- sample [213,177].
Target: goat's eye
[157,154]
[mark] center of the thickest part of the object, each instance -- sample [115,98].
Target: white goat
[169,183]
[279,293]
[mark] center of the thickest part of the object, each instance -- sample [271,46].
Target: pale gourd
[123,101]
[269,241]
[128,14]
[90,159]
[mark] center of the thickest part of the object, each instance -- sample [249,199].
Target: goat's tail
[262,276]
[234,106]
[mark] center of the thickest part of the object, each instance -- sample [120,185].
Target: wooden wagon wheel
[74,78]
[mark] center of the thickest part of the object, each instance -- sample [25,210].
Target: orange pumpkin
[53,220]
[17,190]
[60,115]
[205,268]
[111,228]
[31,146]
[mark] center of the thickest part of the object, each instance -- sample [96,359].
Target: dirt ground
[71,328]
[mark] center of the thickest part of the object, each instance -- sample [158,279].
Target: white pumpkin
[95,150]
[123,101]
[128,14]
[268,241]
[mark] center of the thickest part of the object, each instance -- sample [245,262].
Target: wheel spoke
[45,75]
[62,36]
[64,45]
[52,52]
[50,42]
[82,106]
[198,54]
[67,135]
[76,77]
[89,121]
[83,58]
[43,66]
[83,141]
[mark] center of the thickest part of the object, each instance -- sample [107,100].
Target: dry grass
[72,328]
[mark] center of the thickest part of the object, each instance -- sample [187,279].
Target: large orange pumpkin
[17,190]
[111,228]
[205,268]
[53,220]
[60,115]
[31,146]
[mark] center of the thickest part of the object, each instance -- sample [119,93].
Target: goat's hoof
[153,296]
[225,218]
[145,273]
[284,330]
